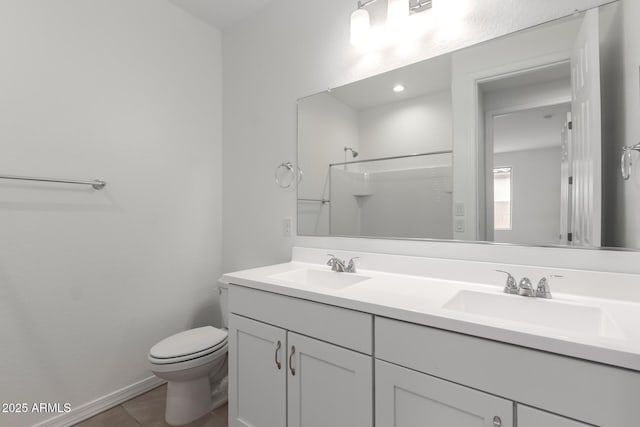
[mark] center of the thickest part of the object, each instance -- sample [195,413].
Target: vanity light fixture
[360,24]
[398,88]
[397,12]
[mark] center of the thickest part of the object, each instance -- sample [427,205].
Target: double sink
[564,317]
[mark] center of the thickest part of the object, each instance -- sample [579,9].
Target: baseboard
[101,404]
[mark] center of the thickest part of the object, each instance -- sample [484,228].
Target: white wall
[128,92]
[535,204]
[295,48]
[325,126]
[416,125]
[540,94]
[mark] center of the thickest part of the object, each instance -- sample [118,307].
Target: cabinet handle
[291,368]
[497,422]
[278,364]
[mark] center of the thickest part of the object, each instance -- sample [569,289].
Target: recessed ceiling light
[398,88]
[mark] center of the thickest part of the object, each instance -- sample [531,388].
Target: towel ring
[626,161]
[287,168]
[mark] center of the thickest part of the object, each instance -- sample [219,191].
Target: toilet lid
[188,342]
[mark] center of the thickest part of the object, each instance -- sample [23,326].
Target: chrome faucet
[336,264]
[525,287]
[339,266]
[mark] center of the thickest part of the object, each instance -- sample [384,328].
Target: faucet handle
[336,264]
[510,286]
[332,260]
[544,290]
[351,268]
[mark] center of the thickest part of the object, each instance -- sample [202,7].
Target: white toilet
[190,361]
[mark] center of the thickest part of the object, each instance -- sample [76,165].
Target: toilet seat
[189,345]
[169,366]
[222,348]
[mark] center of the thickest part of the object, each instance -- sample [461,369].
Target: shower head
[354,153]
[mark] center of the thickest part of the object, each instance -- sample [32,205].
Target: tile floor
[147,410]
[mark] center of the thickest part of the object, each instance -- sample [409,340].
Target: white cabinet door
[257,374]
[406,398]
[328,386]
[529,417]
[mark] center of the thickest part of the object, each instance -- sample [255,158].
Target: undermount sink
[551,314]
[320,278]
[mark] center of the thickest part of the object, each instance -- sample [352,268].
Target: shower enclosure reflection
[405,196]
[385,191]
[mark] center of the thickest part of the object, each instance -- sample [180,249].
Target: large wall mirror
[500,142]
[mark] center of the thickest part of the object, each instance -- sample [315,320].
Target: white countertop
[421,300]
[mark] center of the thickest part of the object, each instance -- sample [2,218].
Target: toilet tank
[223,290]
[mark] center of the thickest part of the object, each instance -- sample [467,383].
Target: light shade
[360,24]
[397,12]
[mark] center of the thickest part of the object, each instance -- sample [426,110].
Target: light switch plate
[286,227]
[459,225]
[459,209]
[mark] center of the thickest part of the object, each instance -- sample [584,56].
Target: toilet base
[189,380]
[187,400]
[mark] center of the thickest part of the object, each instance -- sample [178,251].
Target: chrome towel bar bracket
[626,161]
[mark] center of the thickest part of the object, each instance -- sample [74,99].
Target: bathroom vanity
[461,153]
[310,347]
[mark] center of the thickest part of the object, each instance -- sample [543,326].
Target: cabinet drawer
[406,398]
[593,393]
[347,328]
[529,417]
